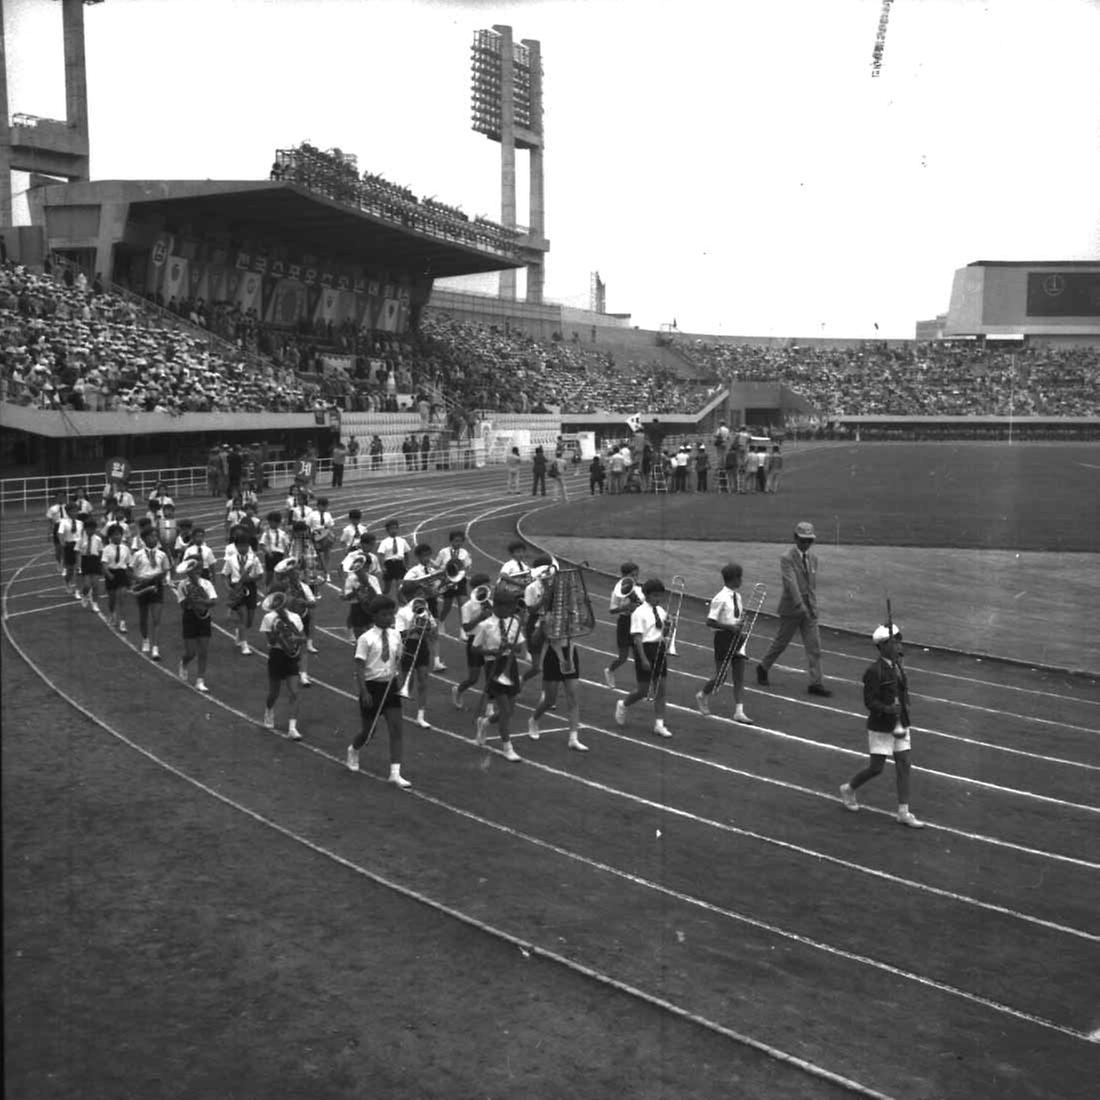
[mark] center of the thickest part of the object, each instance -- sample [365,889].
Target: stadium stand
[941,379]
[65,345]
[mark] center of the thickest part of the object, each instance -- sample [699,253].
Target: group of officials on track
[503,621]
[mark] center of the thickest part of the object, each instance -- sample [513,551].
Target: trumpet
[455,573]
[483,594]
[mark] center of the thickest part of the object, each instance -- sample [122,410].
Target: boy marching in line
[234,517]
[285,639]
[454,559]
[626,598]
[149,568]
[253,525]
[886,697]
[535,600]
[168,530]
[554,673]
[377,663]
[499,641]
[353,531]
[116,566]
[183,540]
[416,625]
[473,612]
[68,530]
[361,587]
[726,617]
[421,570]
[90,552]
[323,533]
[274,544]
[299,508]
[301,599]
[197,548]
[647,632]
[54,515]
[197,596]
[137,542]
[241,568]
[394,552]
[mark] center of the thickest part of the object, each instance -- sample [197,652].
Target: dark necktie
[385,645]
[657,619]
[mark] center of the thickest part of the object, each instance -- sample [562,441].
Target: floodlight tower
[506,88]
[47,145]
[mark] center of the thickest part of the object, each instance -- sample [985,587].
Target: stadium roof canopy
[312,222]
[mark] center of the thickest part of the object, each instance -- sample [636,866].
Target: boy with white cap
[886,696]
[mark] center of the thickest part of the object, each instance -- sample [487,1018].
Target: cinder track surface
[195,906]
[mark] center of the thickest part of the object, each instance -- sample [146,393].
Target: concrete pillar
[507,149]
[5,133]
[76,84]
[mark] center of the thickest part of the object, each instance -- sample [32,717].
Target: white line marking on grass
[34,610]
[1088,465]
[449,911]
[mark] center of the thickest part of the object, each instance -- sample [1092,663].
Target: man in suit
[798,609]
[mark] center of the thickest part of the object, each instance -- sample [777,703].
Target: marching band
[532,614]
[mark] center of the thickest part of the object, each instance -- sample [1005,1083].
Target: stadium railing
[23,493]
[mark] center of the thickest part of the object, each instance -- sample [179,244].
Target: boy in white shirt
[197,597]
[116,573]
[499,640]
[68,528]
[377,664]
[726,617]
[197,548]
[90,552]
[53,520]
[454,559]
[149,567]
[647,626]
[353,531]
[395,552]
[417,626]
[423,569]
[474,611]
[360,588]
[285,641]
[626,597]
[274,544]
[242,569]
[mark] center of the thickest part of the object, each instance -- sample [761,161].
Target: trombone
[421,624]
[738,645]
[666,647]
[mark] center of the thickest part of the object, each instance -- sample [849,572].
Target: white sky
[726,163]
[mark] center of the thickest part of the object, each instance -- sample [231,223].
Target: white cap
[882,633]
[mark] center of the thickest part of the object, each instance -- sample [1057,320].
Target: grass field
[196,907]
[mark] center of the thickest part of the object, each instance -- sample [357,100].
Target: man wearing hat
[886,696]
[798,609]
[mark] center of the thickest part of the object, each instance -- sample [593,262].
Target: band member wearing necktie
[626,597]
[377,669]
[323,533]
[301,599]
[90,552]
[197,548]
[285,641]
[53,520]
[886,697]
[515,574]
[241,569]
[68,528]
[395,552]
[274,542]
[149,567]
[355,529]
[647,630]
[798,609]
[417,626]
[360,589]
[499,640]
[726,616]
[168,530]
[535,606]
[197,597]
[419,572]
[474,611]
[116,565]
[455,560]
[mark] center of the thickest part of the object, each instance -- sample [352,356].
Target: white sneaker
[421,721]
[200,685]
[97,609]
[77,596]
[533,729]
[269,719]
[620,713]
[575,744]
[145,645]
[122,626]
[456,698]
[310,647]
[661,730]
[353,759]
[182,670]
[905,817]
[245,649]
[848,797]
[609,678]
[439,666]
[155,654]
[399,781]
[701,704]
[739,715]
[509,751]
[491,710]
[482,729]
[305,680]
[292,731]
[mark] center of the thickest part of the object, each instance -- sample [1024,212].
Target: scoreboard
[1054,294]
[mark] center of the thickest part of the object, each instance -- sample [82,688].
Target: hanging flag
[635,422]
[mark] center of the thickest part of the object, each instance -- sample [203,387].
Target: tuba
[195,599]
[285,636]
[455,573]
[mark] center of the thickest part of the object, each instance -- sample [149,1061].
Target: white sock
[420,715]
[395,771]
[292,724]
